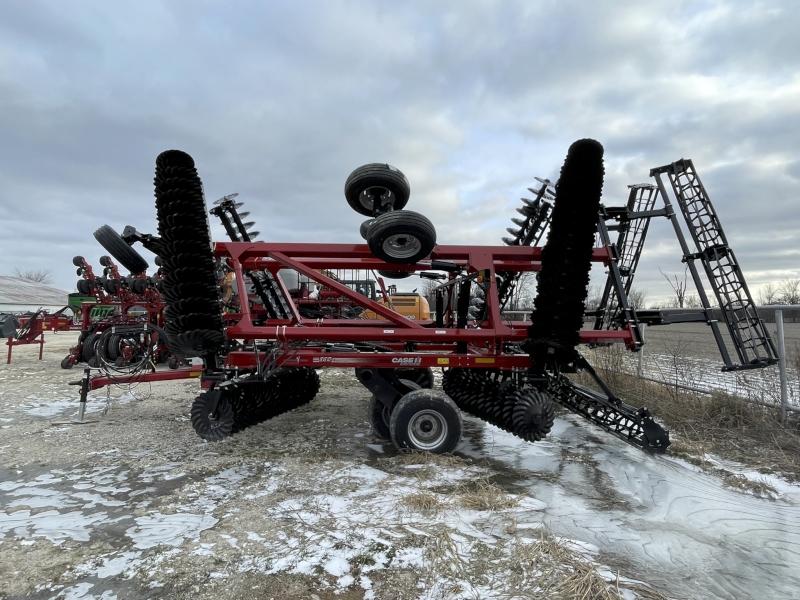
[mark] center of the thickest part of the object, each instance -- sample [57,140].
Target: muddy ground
[313,505]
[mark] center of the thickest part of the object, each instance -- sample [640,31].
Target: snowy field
[311,504]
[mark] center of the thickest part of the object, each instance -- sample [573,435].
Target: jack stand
[84,383]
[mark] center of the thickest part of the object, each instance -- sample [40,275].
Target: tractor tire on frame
[376,180]
[119,249]
[401,238]
[426,420]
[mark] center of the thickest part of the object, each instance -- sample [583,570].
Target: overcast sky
[280,101]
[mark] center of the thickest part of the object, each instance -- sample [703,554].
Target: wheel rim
[401,245]
[366,197]
[427,429]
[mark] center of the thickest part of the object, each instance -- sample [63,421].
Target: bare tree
[594,295]
[678,286]
[428,285]
[789,291]
[768,294]
[524,291]
[691,301]
[637,298]
[41,276]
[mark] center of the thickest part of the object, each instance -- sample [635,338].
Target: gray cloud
[280,101]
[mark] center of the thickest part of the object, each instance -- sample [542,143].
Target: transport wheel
[380,416]
[401,237]
[119,249]
[212,423]
[111,286]
[426,420]
[395,274]
[67,362]
[172,363]
[374,185]
[85,287]
[365,227]
[87,349]
[533,414]
[422,377]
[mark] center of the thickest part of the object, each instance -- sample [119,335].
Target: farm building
[23,295]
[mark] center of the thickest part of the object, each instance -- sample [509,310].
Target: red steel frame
[435,346]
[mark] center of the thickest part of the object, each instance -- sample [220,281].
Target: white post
[782,363]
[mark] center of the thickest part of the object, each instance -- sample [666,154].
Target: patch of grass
[424,502]
[415,457]
[549,568]
[759,487]
[484,495]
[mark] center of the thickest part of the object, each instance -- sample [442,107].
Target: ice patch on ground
[170,530]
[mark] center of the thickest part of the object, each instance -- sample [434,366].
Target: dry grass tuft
[416,457]
[549,568]
[423,502]
[759,487]
[482,494]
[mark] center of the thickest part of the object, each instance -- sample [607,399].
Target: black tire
[422,377]
[373,179]
[216,426]
[67,362]
[395,274]
[112,286]
[87,348]
[402,237]
[172,363]
[363,228]
[119,249]
[85,287]
[426,420]
[380,416]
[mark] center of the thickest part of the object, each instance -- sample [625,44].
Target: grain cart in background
[260,354]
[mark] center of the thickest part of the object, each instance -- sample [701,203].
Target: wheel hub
[427,429]
[401,245]
[375,196]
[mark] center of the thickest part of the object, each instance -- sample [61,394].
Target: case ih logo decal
[407,361]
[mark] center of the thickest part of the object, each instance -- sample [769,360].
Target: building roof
[14,290]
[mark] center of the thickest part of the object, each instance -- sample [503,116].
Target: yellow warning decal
[442,361]
[484,361]
[195,373]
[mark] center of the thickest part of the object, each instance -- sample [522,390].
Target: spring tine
[515,232]
[510,242]
[244,214]
[253,234]
[520,222]
[248,225]
[527,211]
